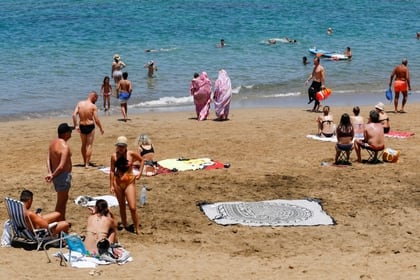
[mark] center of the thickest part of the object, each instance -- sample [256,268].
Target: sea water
[54,52]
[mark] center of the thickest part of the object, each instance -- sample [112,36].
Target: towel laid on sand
[319,138]
[89,201]
[306,212]
[399,134]
[184,164]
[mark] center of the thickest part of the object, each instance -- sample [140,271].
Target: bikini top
[146,151]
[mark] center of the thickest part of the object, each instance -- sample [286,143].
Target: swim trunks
[86,129]
[345,147]
[117,74]
[371,147]
[124,96]
[400,86]
[62,182]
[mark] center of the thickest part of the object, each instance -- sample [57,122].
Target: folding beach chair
[23,235]
[374,155]
[342,158]
[74,244]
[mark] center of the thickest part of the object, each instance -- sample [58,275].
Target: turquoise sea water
[54,52]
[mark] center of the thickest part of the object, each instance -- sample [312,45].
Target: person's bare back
[374,134]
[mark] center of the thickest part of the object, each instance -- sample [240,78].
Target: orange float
[323,94]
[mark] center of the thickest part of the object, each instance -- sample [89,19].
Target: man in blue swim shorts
[59,167]
[125,88]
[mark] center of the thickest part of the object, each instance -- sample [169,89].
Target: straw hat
[379,106]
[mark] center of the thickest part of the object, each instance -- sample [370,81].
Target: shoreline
[296,102]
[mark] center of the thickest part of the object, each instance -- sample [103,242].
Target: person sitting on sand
[358,123]
[345,134]
[326,127]
[383,117]
[147,151]
[100,224]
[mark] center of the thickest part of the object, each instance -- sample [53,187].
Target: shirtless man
[151,68]
[88,117]
[373,136]
[59,167]
[401,83]
[318,83]
[117,66]
[125,89]
[42,221]
[100,224]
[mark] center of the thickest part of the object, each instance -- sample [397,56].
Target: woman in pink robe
[222,95]
[201,90]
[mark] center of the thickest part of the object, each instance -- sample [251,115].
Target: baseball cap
[63,128]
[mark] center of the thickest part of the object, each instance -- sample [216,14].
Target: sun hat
[379,106]
[117,56]
[63,128]
[121,141]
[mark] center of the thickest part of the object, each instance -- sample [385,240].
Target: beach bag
[6,237]
[388,94]
[112,253]
[390,155]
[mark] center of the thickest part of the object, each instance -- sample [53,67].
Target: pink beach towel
[399,134]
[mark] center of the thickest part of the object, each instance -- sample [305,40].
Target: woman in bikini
[123,181]
[345,134]
[147,151]
[326,127]
[100,224]
[358,123]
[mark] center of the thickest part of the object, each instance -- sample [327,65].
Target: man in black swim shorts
[86,129]
[87,112]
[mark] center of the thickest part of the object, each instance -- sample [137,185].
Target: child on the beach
[106,90]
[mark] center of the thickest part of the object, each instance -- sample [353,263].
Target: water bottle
[143,195]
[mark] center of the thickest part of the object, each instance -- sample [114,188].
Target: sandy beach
[376,207]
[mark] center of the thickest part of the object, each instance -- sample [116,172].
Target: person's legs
[124,110]
[52,217]
[108,101]
[89,146]
[112,237]
[61,226]
[404,101]
[62,197]
[357,144]
[130,193]
[83,138]
[396,98]
[119,193]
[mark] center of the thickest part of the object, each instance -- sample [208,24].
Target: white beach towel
[319,138]
[106,170]
[268,213]
[186,164]
[89,201]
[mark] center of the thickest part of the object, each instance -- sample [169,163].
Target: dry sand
[376,207]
